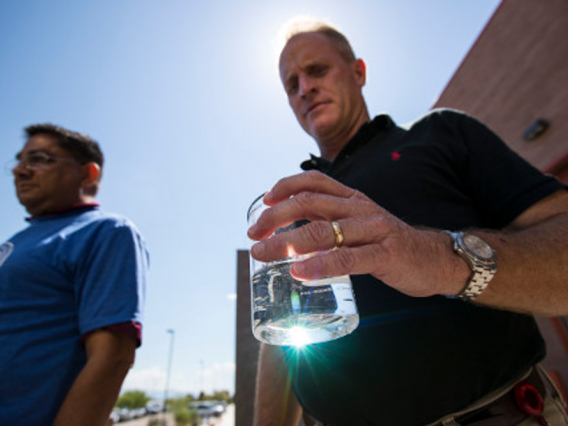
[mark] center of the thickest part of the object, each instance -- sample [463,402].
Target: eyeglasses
[36,161]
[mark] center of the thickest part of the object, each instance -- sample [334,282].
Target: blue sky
[185,100]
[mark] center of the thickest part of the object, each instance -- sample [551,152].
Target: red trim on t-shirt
[131,328]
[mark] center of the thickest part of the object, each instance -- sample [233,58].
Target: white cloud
[150,380]
[220,376]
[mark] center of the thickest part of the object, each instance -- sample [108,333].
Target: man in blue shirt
[71,288]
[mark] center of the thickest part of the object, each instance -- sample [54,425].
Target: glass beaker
[286,311]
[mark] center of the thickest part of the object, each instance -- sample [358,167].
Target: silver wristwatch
[480,257]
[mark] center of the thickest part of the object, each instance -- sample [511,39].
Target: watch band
[478,282]
[482,269]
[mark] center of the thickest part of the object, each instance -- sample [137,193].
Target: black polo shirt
[413,360]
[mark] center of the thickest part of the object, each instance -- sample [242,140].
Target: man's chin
[22,198]
[322,129]
[27,201]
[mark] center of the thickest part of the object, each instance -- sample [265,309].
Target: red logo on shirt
[395,155]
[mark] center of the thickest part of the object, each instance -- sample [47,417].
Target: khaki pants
[554,409]
[554,413]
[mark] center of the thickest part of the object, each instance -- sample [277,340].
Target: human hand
[416,262]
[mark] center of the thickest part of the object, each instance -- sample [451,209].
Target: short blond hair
[301,26]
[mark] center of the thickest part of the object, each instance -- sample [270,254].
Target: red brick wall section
[517,72]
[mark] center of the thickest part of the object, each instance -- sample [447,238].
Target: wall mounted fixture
[536,129]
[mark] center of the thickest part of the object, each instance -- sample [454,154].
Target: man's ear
[92,173]
[360,71]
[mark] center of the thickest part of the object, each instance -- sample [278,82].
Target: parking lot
[227,419]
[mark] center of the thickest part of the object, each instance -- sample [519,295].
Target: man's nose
[307,86]
[21,169]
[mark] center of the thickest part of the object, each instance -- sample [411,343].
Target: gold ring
[339,239]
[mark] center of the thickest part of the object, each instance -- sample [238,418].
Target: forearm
[532,274]
[95,390]
[532,253]
[275,403]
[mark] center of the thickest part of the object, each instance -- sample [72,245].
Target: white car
[209,408]
[154,407]
[114,416]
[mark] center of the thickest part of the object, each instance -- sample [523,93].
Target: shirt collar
[365,133]
[74,208]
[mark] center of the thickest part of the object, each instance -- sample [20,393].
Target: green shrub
[185,417]
[132,399]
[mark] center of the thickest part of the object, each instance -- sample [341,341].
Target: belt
[523,400]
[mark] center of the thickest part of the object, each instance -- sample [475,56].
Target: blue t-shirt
[60,278]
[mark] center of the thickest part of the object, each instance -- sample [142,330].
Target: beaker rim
[250,209]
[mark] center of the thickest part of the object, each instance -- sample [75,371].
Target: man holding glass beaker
[452,242]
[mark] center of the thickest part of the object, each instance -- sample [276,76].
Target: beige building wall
[247,346]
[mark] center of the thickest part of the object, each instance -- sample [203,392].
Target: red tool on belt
[530,401]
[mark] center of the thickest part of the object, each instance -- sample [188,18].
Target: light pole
[171,332]
[201,381]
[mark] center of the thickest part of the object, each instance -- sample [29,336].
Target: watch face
[478,247]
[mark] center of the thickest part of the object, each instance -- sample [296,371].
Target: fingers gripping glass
[36,161]
[286,311]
